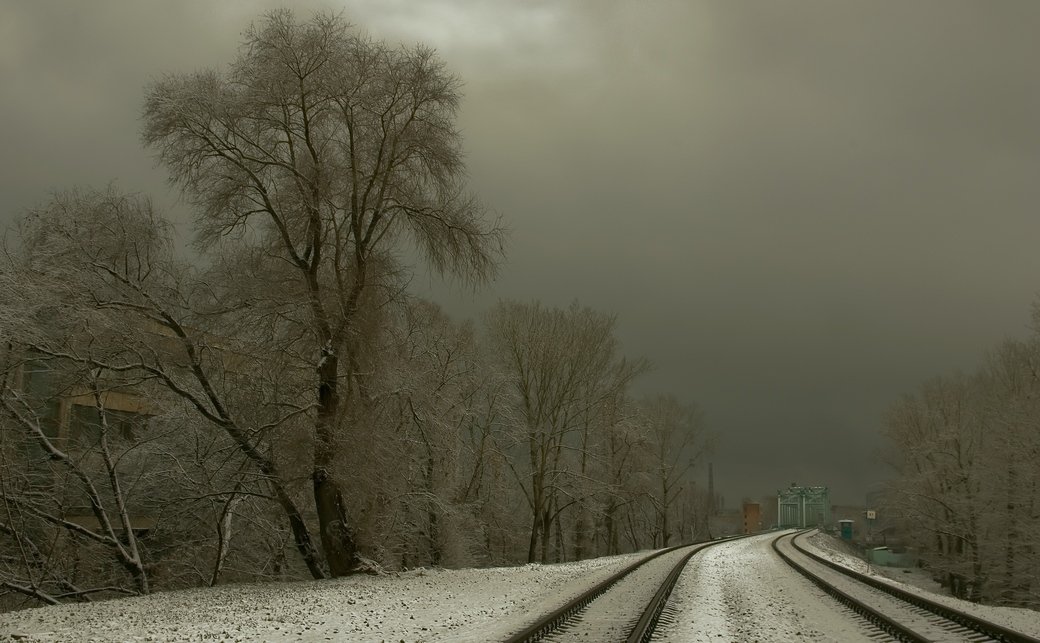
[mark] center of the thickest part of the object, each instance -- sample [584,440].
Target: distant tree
[94,291]
[423,402]
[940,435]
[620,451]
[592,484]
[1010,382]
[318,154]
[965,449]
[560,365]
[677,441]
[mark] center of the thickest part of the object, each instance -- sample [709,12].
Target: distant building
[752,517]
[725,523]
[70,418]
[803,507]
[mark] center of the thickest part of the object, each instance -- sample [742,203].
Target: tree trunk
[537,500]
[546,526]
[298,526]
[223,536]
[580,535]
[664,512]
[336,537]
[610,526]
[561,552]
[532,548]
[977,581]
[1011,542]
[633,538]
[433,535]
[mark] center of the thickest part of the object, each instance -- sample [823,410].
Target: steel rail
[980,625]
[644,628]
[880,620]
[556,619]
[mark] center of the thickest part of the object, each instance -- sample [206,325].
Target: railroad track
[610,610]
[904,615]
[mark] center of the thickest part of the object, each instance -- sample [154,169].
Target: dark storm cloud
[798,210]
[73,75]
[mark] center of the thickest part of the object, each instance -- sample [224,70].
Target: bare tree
[965,450]
[939,434]
[598,427]
[625,440]
[561,363]
[48,478]
[324,149]
[128,307]
[421,404]
[1010,382]
[678,440]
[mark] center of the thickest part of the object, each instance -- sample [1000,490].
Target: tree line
[276,404]
[966,448]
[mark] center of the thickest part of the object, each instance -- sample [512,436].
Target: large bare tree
[324,151]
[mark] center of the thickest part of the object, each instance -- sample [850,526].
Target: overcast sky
[798,210]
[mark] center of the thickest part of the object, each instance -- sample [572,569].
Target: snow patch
[1024,620]
[419,605]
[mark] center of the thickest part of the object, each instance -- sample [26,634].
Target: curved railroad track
[902,614]
[610,611]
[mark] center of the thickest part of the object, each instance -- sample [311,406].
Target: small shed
[886,557]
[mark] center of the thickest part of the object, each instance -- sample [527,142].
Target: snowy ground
[741,591]
[427,605]
[738,591]
[1024,620]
